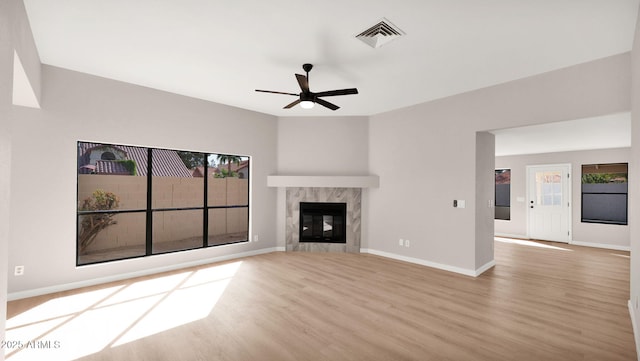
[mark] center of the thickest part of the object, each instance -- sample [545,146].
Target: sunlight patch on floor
[621,255]
[74,326]
[524,242]
[192,301]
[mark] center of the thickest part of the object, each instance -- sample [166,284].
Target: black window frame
[149,210]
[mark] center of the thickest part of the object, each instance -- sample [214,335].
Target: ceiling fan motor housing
[307,67]
[309,96]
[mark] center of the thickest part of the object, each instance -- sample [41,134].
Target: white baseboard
[576,243]
[636,334]
[509,235]
[485,267]
[441,266]
[601,245]
[96,281]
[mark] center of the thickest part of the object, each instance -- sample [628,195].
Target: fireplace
[323,222]
[298,197]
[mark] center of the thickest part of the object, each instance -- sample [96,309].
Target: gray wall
[634,190]
[6,77]
[485,186]
[416,150]
[15,36]
[76,107]
[323,146]
[604,235]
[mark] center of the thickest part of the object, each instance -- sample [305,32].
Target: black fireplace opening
[323,222]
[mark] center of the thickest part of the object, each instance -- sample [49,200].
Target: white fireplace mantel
[367,181]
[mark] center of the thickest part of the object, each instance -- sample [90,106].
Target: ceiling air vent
[381,33]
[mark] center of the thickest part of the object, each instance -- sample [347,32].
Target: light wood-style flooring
[542,301]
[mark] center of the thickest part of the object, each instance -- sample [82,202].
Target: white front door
[549,202]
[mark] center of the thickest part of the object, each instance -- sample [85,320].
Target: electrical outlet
[255,238]
[18,271]
[406,243]
[401,242]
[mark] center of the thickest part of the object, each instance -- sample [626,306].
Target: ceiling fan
[307,98]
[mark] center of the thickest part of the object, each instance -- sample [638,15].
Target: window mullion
[205,215]
[149,230]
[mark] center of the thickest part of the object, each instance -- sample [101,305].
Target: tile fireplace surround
[351,196]
[320,188]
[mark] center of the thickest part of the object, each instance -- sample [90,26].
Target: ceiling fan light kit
[307,98]
[306,104]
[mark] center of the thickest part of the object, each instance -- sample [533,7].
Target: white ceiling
[611,131]
[222,50]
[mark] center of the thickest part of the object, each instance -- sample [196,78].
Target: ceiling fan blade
[304,83]
[292,104]
[327,104]
[274,92]
[331,93]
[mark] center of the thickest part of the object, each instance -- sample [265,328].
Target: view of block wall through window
[130,207]
[503,194]
[604,193]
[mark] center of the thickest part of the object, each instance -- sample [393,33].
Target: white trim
[367,181]
[571,242]
[95,281]
[636,334]
[509,235]
[601,245]
[485,268]
[441,266]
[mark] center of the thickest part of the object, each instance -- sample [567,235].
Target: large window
[604,193]
[503,194]
[136,201]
